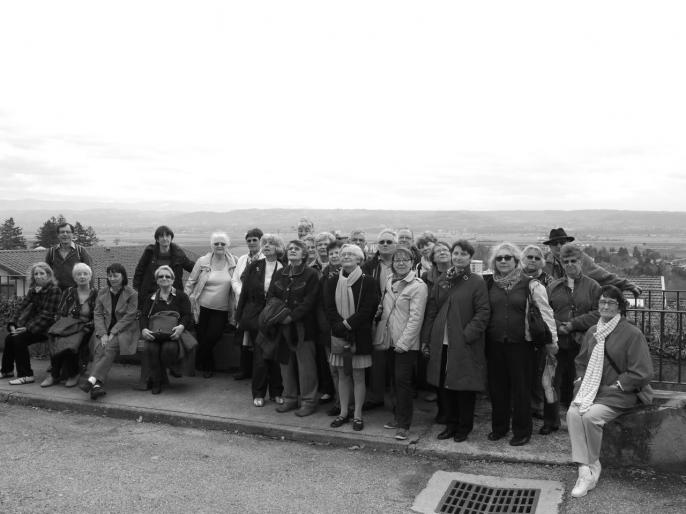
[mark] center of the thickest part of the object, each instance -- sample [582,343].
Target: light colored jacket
[540,297]
[126,329]
[198,278]
[403,303]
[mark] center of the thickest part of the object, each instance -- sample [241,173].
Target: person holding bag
[612,368]
[164,318]
[351,299]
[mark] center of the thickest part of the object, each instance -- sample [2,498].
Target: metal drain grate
[466,498]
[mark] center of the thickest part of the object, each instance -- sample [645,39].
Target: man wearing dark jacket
[62,257]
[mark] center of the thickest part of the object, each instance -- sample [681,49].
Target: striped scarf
[594,370]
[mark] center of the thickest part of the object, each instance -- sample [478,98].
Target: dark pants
[245,363]
[403,367]
[537,394]
[377,380]
[566,372]
[456,406]
[65,364]
[161,356]
[509,385]
[323,371]
[17,350]
[266,374]
[210,328]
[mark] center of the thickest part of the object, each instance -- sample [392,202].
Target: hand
[379,312]
[18,330]
[398,350]
[287,320]
[104,339]
[636,290]
[176,332]
[552,349]
[147,334]
[426,352]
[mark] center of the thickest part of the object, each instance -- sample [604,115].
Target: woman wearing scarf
[612,366]
[212,298]
[453,336]
[509,350]
[351,300]
[403,303]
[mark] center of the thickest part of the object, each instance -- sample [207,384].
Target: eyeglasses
[608,302]
[386,242]
[252,240]
[402,260]
[219,244]
[569,261]
[501,258]
[533,257]
[164,276]
[441,249]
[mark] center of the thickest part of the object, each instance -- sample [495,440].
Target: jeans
[103,358]
[403,366]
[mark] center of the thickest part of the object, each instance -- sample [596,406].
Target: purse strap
[612,363]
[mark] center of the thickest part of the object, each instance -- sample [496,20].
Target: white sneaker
[22,380]
[584,483]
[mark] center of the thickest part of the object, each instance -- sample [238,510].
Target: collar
[172,292]
[408,278]
[72,245]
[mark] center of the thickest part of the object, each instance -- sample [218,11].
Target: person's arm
[430,314]
[584,321]
[184,305]
[192,278]
[540,297]
[129,316]
[311,295]
[605,278]
[45,315]
[581,360]
[368,304]
[415,317]
[99,318]
[481,306]
[639,365]
[238,275]
[186,263]
[141,267]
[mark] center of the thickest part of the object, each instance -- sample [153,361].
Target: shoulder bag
[538,328]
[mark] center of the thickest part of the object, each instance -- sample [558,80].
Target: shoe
[325,398]
[495,436]
[584,483]
[7,375]
[306,410]
[22,380]
[520,441]
[392,425]
[447,433]
[285,407]
[97,391]
[278,400]
[239,376]
[72,381]
[460,438]
[339,421]
[207,374]
[156,388]
[402,434]
[369,405]
[595,471]
[333,410]
[358,424]
[49,381]
[86,386]
[545,430]
[143,386]
[258,402]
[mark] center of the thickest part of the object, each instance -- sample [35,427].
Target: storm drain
[461,493]
[468,498]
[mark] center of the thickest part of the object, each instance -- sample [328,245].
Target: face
[164,240]
[426,250]
[65,235]
[321,247]
[504,261]
[253,244]
[359,240]
[164,279]
[386,244]
[348,260]
[219,247]
[295,254]
[555,247]
[608,308]
[311,249]
[402,264]
[532,262]
[268,249]
[115,279]
[82,277]
[461,258]
[441,254]
[335,256]
[572,266]
[303,231]
[405,238]
[40,276]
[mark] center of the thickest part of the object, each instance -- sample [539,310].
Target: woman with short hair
[322,242]
[209,288]
[425,244]
[36,313]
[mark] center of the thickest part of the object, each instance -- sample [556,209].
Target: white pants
[586,431]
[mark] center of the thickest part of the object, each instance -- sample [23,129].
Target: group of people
[321,320]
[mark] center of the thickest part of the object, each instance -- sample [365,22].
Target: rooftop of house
[646,283]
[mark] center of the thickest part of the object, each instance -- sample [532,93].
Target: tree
[11,237]
[47,233]
[84,236]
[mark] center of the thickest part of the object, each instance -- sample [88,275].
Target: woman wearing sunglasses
[212,298]
[509,349]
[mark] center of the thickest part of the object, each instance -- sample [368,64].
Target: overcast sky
[379,105]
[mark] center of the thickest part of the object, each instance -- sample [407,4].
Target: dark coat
[580,307]
[38,310]
[62,267]
[298,287]
[126,328]
[508,312]
[144,276]
[253,298]
[178,301]
[464,308]
[366,296]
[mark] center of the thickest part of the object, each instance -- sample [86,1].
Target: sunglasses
[533,257]
[163,276]
[219,244]
[386,242]
[501,258]
[569,261]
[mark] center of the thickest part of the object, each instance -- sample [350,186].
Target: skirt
[359,361]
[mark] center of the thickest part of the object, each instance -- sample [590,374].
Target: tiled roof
[645,282]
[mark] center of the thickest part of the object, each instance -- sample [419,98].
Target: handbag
[65,334]
[66,326]
[162,323]
[538,328]
[645,394]
[250,317]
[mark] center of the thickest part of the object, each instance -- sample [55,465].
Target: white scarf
[594,370]
[345,302]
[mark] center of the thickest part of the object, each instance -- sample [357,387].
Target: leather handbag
[162,323]
[538,328]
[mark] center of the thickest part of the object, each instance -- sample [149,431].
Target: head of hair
[254,232]
[163,230]
[392,233]
[358,232]
[165,268]
[531,248]
[115,267]
[355,250]
[300,244]
[613,292]
[510,247]
[325,236]
[335,244]
[45,267]
[220,236]
[308,238]
[81,266]
[464,245]
[426,238]
[64,224]
[436,246]
[306,224]
[570,250]
[275,241]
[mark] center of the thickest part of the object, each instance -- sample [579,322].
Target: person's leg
[246,356]
[326,386]
[592,423]
[377,389]
[8,356]
[152,350]
[519,364]
[465,403]
[537,394]
[290,383]
[567,371]
[20,345]
[213,333]
[307,372]
[404,371]
[274,379]
[345,386]
[103,359]
[359,391]
[56,366]
[259,373]
[498,388]
[441,415]
[70,364]
[169,353]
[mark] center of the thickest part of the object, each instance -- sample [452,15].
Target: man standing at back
[63,256]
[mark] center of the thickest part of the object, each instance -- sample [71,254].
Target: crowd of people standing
[321,319]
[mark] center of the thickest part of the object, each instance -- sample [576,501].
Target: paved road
[66,462]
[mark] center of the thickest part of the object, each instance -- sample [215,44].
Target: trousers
[586,431]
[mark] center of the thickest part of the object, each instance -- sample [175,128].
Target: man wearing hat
[554,267]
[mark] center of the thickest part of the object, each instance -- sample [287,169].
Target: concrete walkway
[222,403]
